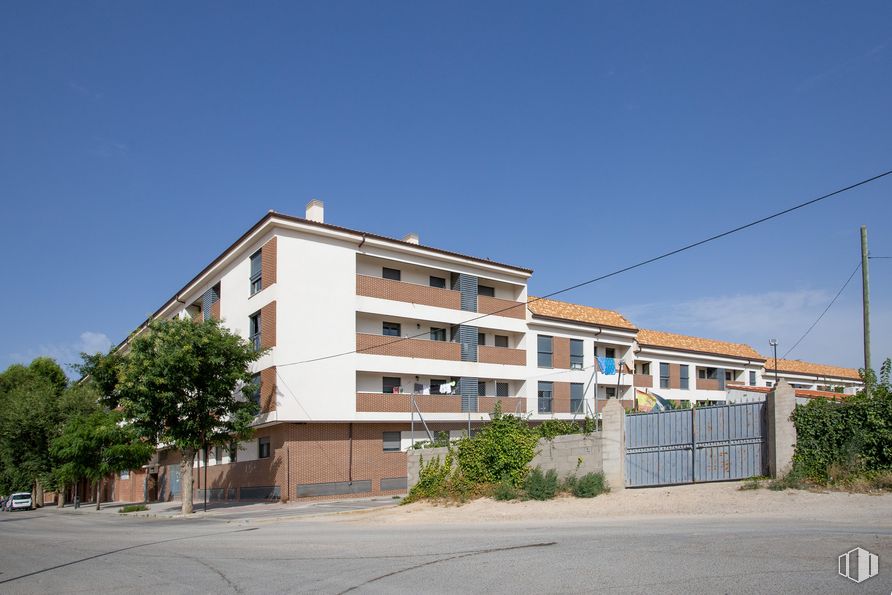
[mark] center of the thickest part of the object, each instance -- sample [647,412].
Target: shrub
[505,490]
[838,441]
[132,508]
[557,427]
[750,484]
[791,481]
[590,485]
[539,486]
[432,479]
[501,449]
[440,439]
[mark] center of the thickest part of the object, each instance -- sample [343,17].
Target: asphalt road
[49,551]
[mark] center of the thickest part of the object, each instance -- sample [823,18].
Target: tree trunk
[186,490]
[98,488]
[60,496]
[38,494]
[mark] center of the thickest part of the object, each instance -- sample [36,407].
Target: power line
[833,301]
[616,272]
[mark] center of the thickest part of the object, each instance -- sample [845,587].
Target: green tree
[180,385]
[94,445]
[30,416]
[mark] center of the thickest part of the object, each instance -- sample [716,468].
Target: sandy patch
[708,499]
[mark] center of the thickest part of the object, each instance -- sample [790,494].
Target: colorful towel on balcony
[607,365]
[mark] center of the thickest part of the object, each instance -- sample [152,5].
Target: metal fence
[696,445]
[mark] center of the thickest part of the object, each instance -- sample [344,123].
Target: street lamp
[773,343]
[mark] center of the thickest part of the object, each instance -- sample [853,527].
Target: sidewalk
[231,511]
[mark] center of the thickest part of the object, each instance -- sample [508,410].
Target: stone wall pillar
[781,432]
[613,444]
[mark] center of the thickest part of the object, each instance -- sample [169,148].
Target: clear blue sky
[138,140]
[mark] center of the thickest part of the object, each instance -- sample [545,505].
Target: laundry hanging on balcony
[607,365]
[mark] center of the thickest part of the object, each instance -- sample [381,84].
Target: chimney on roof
[316,211]
[412,238]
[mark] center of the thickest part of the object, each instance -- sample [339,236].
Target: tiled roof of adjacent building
[800,392]
[586,314]
[796,366]
[687,343]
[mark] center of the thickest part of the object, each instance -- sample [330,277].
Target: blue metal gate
[694,445]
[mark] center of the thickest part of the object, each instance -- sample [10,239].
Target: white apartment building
[368,334]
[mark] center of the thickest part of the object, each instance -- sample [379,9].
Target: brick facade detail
[400,403]
[509,308]
[268,390]
[413,293]
[268,262]
[383,345]
[561,353]
[560,396]
[501,355]
[268,325]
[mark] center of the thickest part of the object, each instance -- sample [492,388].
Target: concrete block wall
[568,455]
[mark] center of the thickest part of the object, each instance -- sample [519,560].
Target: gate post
[613,444]
[780,403]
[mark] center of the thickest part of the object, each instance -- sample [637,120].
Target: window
[218,455]
[707,373]
[392,441]
[438,282]
[545,391]
[435,385]
[256,272]
[645,368]
[576,354]
[391,329]
[254,389]
[545,351]
[752,378]
[664,375]
[391,384]
[254,330]
[263,447]
[576,393]
[610,352]
[438,334]
[611,392]
[684,381]
[729,376]
[392,274]
[481,338]
[486,290]
[501,389]
[481,389]
[124,475]
[501,341]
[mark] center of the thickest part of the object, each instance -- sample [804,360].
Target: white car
[20,501]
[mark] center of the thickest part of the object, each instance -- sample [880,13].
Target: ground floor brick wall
[307,461]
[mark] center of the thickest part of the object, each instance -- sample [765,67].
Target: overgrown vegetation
[541,486]
[848,442]
[133,508]
[496,462]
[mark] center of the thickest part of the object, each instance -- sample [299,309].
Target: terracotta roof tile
[577,313]
[796,366]
[800,392]
[700,345]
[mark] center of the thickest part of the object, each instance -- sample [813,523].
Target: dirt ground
[708,499]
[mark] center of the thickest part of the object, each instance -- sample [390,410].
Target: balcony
[643,380]
[708,384]
[421,348]
[402,403]
[509,308]
[387,289]
[501,355]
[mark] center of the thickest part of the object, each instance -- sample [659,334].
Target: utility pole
[865,290]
